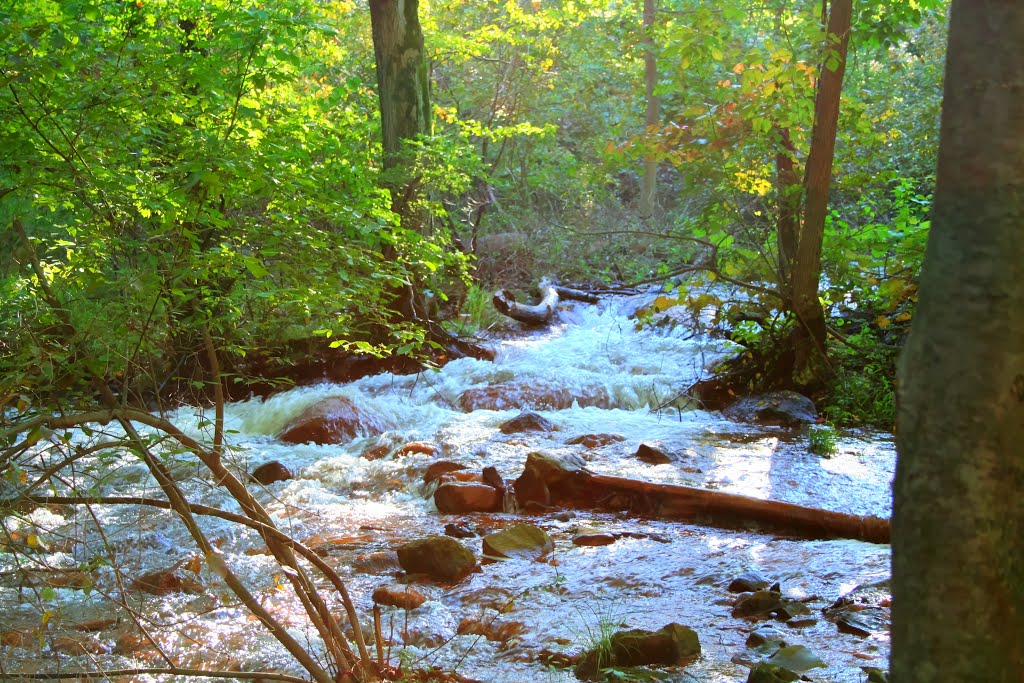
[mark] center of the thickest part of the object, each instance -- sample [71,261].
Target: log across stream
[596,377]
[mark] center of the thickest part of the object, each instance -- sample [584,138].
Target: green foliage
[821,440]
[864,388]
[186,166]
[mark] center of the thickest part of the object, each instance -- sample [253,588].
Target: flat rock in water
[380,562]
[796,658]
[332,420]
[759,604]
[167,581]
[783,408]
[594,538]
[439,557]
[527,422]
[671,645]
[270,472]
[537,394]
[455,498]
[522,541]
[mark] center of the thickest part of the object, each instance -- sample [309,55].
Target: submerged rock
[595,440]
[439,557]
[522,541]
[332,420]
[527,422]
[783,408]
[269,472]
[671,645]
[167,581]
[759,604]
[436,469]
[453,498]
[536,394]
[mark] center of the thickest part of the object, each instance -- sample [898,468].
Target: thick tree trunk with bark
[808,338]
[402,82]
[958,523]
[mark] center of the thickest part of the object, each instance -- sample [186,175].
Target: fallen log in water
[538,314]
[563,481]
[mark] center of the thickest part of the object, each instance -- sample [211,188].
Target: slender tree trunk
[958,513]
[787,184]
[649,186]
[810,359]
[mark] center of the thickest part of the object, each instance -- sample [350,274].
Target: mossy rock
[439,557]
[522,542]
[671,645]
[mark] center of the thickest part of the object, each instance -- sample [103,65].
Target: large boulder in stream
[527,422]
[332,420]
[782,408]
[454,498]
[439,557]
[671,645]
[536,394]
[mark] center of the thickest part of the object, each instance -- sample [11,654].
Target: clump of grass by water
[821,440]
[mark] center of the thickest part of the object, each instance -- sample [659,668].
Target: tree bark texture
[810,364]
[958,523]
[649,185]
[402,81]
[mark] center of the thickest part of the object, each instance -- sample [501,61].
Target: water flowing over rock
[333,420]
[527,422]
[167,581]
[439,557]
[403,597]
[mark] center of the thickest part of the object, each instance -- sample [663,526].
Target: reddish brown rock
[595,440]
[594,538]
[270,472]
[439,557]
[381,562]
[166,581]
[459,497]
[332,420]
[78,646]
[399,596]
[436,469]
[421,447]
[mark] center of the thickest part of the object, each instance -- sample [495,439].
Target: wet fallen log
[563,481]
[538,314]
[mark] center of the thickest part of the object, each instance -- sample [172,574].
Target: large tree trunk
[402,83]
[808,339]
[958,524]
[649,186]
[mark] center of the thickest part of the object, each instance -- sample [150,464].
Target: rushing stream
[355,511]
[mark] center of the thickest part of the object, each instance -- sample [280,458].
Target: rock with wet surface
[863,611]
[269,472]
[455,498]
[748,582]
[592,537]
[782,408]
[759,604]
[167,581]
[332,420]
[439,557]
[655,453]
[771,673]
[672,645]
[536,394]
[796,658]
[436,469]
[527,422]
[595,440]
[522,541]
[399,596]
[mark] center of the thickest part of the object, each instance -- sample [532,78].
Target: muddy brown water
[357,511]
